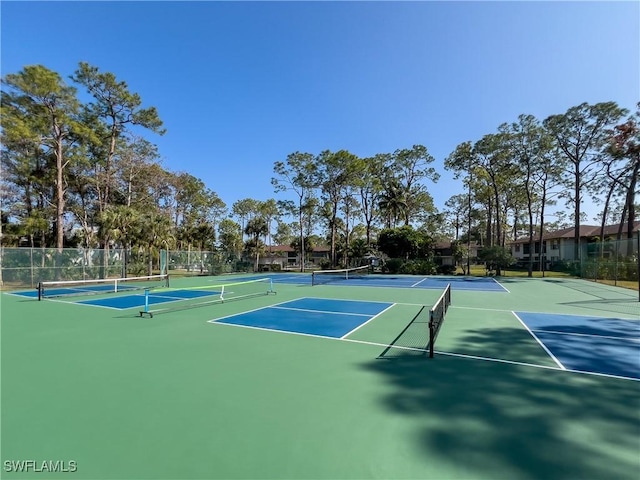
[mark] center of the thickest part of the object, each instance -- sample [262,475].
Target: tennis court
[310,316]
[479,284]
[531,378]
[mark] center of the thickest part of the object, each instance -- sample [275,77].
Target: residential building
[286,257]
[558,246]
[444,253]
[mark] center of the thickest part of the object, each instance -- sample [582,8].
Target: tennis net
[436,316]
[181,299]
[327,276]
[50,289]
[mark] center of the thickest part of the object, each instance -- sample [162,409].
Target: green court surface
[178,397]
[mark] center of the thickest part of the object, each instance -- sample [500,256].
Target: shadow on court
[412,341]
[599,290]
[497,420]
[625,306]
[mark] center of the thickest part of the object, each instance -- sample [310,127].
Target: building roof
[586,231]
[288,248]
[447,244]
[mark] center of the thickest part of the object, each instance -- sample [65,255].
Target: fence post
[31,265]
[163,262]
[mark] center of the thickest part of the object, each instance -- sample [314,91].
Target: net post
[436,317]
[146,304]
[115,285]
[40,292]
[431,334]
[222,294]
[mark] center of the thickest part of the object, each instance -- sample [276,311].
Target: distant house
[559,245]
[286,256]
[444,253]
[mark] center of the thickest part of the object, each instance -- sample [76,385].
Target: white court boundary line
[284,302]
[363,324]
[284,279]
[446,354]
[501,286]
[560,366]
[250,311]
[21,295]
[408,287]
[279,306]
[84,304]
[590,335]
[540,342]
[609,317]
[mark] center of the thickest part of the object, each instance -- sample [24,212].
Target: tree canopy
[77,172]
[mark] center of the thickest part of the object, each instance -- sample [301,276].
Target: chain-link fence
[25,267]
[612,261]
[194,262]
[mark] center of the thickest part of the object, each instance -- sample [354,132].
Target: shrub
[418,267]
[393,265]
[325,264]
[446,269]
[275,267]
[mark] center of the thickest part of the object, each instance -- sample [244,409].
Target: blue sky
[240,85]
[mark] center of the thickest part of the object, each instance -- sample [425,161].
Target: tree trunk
[301,242]
[576,220]
[59,198]
[630,201]
[544,199]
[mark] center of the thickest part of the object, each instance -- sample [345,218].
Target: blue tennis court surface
[589,344]
[436,282]
[427,282]
[129,301]
[310,316]
[79,290]
[388,281]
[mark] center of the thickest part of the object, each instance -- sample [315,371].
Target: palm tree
[256,228]
[393,202]
[123,224]
[358,249]
[157,231]
[244,209]
[230,236]
[270,211]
